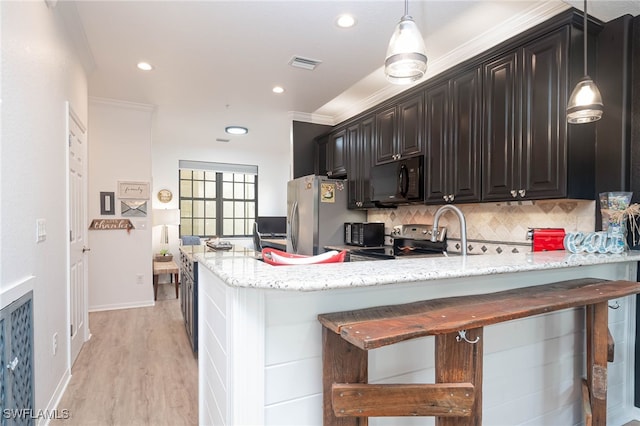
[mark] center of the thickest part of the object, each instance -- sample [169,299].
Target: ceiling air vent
[304,63]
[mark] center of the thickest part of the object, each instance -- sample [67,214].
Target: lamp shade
[406,59]
[585,104]
[166,217]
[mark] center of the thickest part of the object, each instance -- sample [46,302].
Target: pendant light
[406,59]
[585,103]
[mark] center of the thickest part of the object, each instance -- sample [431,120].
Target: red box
[547,239]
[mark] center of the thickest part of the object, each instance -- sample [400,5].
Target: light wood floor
[137,369]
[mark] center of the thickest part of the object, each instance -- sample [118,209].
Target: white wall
[40,73]
[119,150]
[176,138]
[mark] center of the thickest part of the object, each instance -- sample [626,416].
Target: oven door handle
[403,183]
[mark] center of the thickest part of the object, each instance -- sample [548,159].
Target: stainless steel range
[406,240]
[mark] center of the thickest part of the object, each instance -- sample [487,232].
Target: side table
[160,268]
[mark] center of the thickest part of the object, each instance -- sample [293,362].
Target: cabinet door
[353,146]
[465,136]
[410,126]
[544,138]
[336,155]
[360,142]
[436,133]
[365,160]
[501,139]
[386,135]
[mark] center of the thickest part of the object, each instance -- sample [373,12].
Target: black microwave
[399,182]
[368,234]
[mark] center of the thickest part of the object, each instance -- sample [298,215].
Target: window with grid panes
[217,203]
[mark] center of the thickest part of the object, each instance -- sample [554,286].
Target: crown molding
[312,118]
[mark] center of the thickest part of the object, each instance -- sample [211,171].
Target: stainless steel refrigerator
[316,213]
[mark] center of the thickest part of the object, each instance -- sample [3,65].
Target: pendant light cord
[585,38]
[406,7]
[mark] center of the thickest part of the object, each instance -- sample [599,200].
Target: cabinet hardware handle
[13,364]
[452,197]
[514,193]
[85,249]
[522,192]
[615,305]
[444,197]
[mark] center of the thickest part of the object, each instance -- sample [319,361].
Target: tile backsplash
[497,227]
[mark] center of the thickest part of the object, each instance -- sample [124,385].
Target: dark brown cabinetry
[452,139]
[189,297]
[399,130]
[337,154]
[492,128]
[525,133]
[360,142]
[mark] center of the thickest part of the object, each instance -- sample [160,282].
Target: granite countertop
[240,267]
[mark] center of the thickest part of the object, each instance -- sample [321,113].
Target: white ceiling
[218,60]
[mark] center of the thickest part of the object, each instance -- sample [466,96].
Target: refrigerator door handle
[295,225]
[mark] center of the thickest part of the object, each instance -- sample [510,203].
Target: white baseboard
[51,410]
[131,305]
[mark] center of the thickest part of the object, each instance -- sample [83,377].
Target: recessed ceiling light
[236,130]
[145,66]
[278,89]
[345,21]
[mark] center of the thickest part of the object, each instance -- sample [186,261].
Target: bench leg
[597,345]
[342,362]
[461,362]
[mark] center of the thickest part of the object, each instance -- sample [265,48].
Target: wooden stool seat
[457,323]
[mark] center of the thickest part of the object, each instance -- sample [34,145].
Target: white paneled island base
[260,340]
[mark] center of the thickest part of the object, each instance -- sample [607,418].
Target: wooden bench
[457,324]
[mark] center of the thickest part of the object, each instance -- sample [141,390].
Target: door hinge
[70,236]
[69,141]
[71,330]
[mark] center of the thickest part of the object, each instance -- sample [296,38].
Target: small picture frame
[133,190]
[107,203]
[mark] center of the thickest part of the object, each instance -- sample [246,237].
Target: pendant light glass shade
[585,104]
[406,59]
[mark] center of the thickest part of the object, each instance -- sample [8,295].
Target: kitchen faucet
[463,225]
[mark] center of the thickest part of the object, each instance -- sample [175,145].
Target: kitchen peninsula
[260,341]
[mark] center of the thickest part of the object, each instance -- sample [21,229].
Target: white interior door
[78,268]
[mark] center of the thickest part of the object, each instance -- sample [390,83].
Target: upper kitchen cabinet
[452,138]
[360,143]
[399,129]
[309,148]
[337,154]
[525,130]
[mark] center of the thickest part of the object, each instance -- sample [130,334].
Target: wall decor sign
[135,208]
[111,224]
[133,190]
[107,203]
